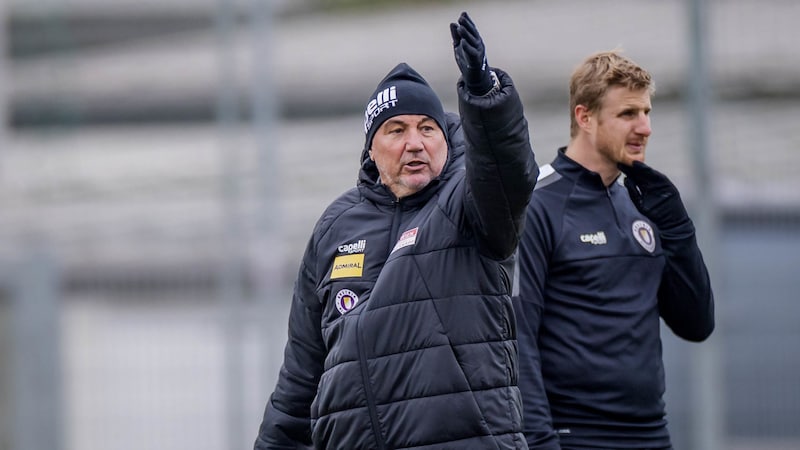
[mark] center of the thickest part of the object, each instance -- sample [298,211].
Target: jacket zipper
[613,207]
[373,414]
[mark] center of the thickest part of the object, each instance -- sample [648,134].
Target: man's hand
[471,56]
[654,195]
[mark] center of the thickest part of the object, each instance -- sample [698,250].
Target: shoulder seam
[547,175]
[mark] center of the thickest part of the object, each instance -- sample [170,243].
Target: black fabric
[424,355]
[402,91]
[655,196]
[595,273]
[470,54]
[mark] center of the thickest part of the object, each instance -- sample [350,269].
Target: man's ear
[583,117]
[370,155]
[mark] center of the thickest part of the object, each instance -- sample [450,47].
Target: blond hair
[596,74]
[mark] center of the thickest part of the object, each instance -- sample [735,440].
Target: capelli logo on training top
[598,238]
[385,99]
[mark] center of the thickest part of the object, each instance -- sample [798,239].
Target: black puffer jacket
[401,332]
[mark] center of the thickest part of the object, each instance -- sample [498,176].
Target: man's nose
[643,127]
[414,141]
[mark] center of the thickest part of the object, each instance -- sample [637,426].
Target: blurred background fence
[162,163]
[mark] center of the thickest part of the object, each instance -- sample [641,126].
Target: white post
[706,397]
[231,270]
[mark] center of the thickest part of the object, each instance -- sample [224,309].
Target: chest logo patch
[598,238]
[355,247]
[407,238]
[643,233]
[348,266]
[346,300]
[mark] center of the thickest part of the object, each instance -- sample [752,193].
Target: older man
[402,331]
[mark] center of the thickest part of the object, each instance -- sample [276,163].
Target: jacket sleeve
[534,251]
[287,422]
[685,299]
[500,167]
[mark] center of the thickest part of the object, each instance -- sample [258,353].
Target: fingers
[636,168]
[466,36]
[468,31]
[473,54]
[465,30]
[465,21]
[634,190]
[456,36]
[645,177]
[470,55]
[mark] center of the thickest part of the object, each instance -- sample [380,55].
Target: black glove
[655,196]
[471,56]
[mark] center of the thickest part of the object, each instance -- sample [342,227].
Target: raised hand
[471,55]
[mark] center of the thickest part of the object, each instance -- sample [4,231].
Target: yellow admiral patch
[348,266]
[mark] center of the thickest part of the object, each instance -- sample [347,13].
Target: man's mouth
[636,145]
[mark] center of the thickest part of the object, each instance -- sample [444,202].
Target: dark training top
[595,275]
[401,331]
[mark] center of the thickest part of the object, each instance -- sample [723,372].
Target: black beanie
[402,91]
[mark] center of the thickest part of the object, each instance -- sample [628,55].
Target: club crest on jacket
[346,300]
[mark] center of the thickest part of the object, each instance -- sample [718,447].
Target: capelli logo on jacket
[385,99]
[350,261]
[355,247]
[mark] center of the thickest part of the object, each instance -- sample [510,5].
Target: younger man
[600,262]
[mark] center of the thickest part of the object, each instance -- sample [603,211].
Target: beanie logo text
[385,99]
